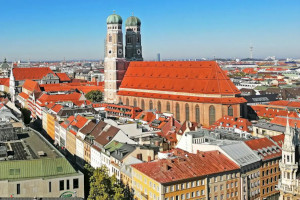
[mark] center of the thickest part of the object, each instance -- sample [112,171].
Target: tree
[103,186]
[94,96]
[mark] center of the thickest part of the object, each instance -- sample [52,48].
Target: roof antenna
[114,11]
[132,14]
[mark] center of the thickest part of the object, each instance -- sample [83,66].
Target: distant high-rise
[158,57]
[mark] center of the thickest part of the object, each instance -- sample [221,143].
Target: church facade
[197,91]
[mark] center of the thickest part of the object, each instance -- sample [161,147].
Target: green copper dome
[114,19]
[133,21]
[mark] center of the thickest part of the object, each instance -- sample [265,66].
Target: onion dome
[114,19]
[133,21]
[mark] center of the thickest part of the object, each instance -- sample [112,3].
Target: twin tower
[115,65]
[114,38]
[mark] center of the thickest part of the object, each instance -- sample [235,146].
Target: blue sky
[75,29]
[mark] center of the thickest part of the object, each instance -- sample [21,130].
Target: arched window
[168,107]
[187,112]
[127,102]
[159,106]
[197,112]
[110,38]
[120,101]
[230,111]
[212,115]
[143,104]
[150,105]
[134,103]
[177,111]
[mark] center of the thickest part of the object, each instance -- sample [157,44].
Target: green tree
[103,186]
[94,96]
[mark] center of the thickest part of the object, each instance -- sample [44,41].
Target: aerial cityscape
[150,100]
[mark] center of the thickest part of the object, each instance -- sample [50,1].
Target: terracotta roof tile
[186,166]
[202,77]
[31,85]
[33,73]
[63,77]
[24,95]
[265,148]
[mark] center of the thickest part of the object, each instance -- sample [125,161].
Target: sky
[76,29]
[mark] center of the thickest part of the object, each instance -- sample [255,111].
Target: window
[187,112]
[168,107]
[68,184]
[127,101]
[75,183]
[177,111]
[150,105]
[230,111]
[197,112]
[212,115]
[159,106]
[50,187]
[143,104]
[18,189]
[134,103]
[61,185]
[110,38]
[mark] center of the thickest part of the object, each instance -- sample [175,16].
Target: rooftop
[193,165]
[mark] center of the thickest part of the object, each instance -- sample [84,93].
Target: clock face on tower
[138,52]
[120,51]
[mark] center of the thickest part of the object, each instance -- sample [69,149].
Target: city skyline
[75,30]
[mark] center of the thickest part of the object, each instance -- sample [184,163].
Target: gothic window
[138,39]
[187,112]
[143,104]
[230,111]
[212,115]
[159,106]
[109,38]
[168,107]
[134,103]
[127,101]
[150,105]
[197,112]
[177,111]
[120,101]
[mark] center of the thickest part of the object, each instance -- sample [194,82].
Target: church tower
[288,164]
[133,48]
[114,60]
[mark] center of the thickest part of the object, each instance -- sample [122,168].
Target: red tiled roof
[262,146]
[79,121]
[31,85]
[67,122]
[84,87]
[281,120]
[200,77]
[4,81]
[278,139]
[186,166]
[63,77]
[33,73]
[232,100]
[229,121]
[271,111]
[45,98]
[294,104]
[57,108]
[146,116]
[24,95]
